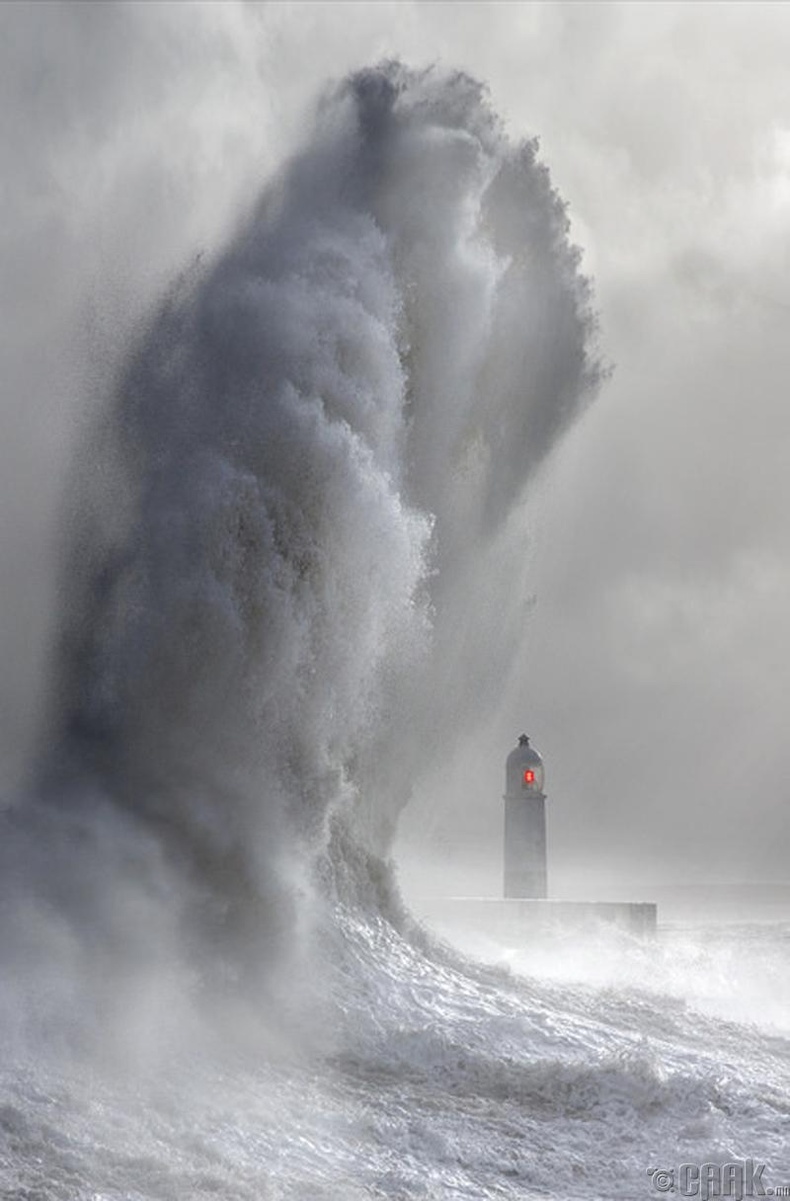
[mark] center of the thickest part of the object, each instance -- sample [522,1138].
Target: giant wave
[288,524]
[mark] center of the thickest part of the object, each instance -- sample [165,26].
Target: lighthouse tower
[525,912]
[525,823]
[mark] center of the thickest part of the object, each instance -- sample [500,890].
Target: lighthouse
[525,912]
[525,823]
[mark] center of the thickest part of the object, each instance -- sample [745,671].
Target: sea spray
[296,517]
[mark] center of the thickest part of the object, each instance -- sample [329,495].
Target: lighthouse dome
[524,771]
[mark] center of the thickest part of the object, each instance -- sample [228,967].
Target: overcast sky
[656,670]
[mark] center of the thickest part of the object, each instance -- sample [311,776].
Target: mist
[383,381]
[651,658]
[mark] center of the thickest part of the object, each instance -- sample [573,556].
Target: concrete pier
[518,918]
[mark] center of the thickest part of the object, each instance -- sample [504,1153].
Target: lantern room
[524,770]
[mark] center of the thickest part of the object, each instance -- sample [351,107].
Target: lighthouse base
[515,919]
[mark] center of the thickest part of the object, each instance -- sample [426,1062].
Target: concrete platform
[517,918]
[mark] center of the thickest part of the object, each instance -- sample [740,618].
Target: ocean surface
[563,1071]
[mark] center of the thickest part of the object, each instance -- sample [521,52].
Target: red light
[529,776]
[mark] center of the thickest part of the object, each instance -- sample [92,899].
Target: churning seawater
[446,1079]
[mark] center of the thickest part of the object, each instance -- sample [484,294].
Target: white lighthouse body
[525,823]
